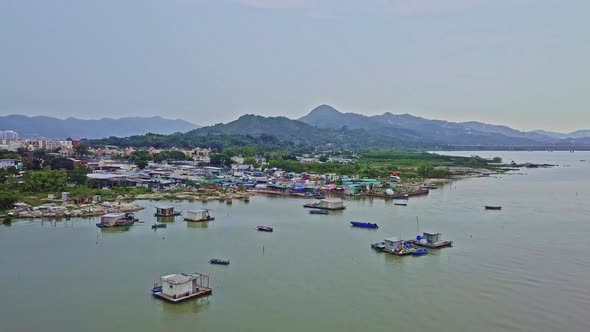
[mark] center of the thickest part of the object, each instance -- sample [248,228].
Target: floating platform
[436,245]
[202,292]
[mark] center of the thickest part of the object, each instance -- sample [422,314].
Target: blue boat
[361,224]
[419,252]
[156,289]
[219,261]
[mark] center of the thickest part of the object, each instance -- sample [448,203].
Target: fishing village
[114,190]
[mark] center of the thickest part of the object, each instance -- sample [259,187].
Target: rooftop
[176,279]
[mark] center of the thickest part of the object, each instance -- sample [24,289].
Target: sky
[522,63]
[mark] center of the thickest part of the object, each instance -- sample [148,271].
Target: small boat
[378,245]
[429,186]
[156,289]
[419,252]
[154,226]
[264,228]
[219,261]
[361,224]
[319,196]
[403,203]
[492,207]
[318,211]
[401,196]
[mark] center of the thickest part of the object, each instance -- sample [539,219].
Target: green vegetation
[380,164]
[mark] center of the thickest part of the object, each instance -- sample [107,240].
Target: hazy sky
[524,63]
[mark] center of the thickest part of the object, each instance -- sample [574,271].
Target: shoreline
[124,204]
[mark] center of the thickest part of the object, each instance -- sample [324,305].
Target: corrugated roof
[176,279]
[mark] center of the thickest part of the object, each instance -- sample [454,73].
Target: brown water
[525,268]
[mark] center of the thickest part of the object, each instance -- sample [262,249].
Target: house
[8,163]
[179,287]
[333,203]
[393,243]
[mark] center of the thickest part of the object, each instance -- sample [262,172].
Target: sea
[524,268]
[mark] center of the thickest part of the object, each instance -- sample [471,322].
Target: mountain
[326,127]
[48,127]
[301,133]
[407,126]
[575,134]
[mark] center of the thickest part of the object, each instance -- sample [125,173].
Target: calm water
[525,268]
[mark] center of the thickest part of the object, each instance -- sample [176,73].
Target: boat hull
[363,225]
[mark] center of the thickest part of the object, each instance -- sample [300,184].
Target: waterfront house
[179,287]
[166,211]
[198,215]
[393,243]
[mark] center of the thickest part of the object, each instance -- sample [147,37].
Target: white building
[8,163]
[8,135]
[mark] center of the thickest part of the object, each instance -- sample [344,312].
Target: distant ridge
[442,132]
[49,127]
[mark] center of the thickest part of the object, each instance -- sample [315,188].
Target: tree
[425,171]
[7,199]
[141,163]
[78,175]
[82,150]
[497,160]
[47,180]
[220,159]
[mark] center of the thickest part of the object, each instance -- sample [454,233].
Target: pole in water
[263,249]
[417,225]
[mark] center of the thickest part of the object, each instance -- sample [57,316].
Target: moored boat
[419,252]
[116,220]
[318,211]
[362,224]
[264,228]
[431,240]
[219,261]
[154,226]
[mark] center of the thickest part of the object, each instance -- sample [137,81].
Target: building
[393,243]
[179,287]
[8,163]
[8,135]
